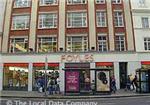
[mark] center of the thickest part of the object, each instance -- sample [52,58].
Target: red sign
[72,81]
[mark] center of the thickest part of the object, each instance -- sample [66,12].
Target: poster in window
[102,81]
[72,81]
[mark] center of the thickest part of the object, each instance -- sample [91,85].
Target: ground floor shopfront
[75,71]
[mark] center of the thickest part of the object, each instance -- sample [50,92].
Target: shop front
[15,76]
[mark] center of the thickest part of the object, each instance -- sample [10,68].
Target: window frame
[18,6]
[69,43]
[71,18]
[100,1]
[100,23]
[147,43]
[12,42]
[41,18]
[103,43]
[43,41]
[145,22]
[42,3]
[118,18]
[120,42]
[16,20]
[73,3]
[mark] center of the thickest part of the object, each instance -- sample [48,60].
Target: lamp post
[46,67]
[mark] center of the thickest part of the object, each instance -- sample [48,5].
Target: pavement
[34,94]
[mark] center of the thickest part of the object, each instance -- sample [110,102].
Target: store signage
[77,58]
[72,81]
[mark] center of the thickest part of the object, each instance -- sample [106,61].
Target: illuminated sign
[77,58]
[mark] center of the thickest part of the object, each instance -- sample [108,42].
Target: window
[118,19]
[20,22]
[100,1]
[48,2]
[101,18]
[18,45]
[77,19]
[76,1]
[116,1]
[22,3]
[120,42]
[142,3]
[147,44]
[102,43]
[48,20]
[77,43]
[145,22]
[47,44]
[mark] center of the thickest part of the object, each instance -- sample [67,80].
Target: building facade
[2,8]
[74,38]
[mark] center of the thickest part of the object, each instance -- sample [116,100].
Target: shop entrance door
[85,81]
[123,74]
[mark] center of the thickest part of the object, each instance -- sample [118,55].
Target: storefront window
[15,77]
[52,73]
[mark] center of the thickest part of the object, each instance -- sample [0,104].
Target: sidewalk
[35,94]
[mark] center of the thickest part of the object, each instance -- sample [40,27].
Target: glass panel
[15,78]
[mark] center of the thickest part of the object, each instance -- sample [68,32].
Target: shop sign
[77,58]
[102,81]
[72,81]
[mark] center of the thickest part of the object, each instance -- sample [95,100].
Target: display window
[15,76]
[52,73]
[145,64]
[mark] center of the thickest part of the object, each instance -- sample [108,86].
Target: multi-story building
[76,39]
[2,8]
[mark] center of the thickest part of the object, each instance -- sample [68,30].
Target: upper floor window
[102,43]
[120,42]
[142,3]
[48,2]
[116,1]
[20,22]
[101,18]
[47,44]
[118,19]
[77,43]
[22,3]
[48,20]
[147,44]
[76,19]
[76,1]
[18,45]
[100,1]
[145,22]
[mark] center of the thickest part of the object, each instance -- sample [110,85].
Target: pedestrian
[113,84]
[128,84]
[49,86]
[135,82]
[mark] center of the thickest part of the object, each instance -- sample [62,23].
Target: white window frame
[42,41]
[103,43]
[23,19]
[100,1]
[147,43]
[120,35]
[42,18]
[142,3]
[118,19]
[46,3]
[12,44]
[145,22]
[73,2]
[70,16]
[84,42]
[101,14]
[20,3]
[116,1]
